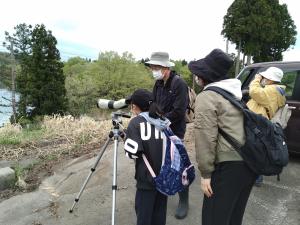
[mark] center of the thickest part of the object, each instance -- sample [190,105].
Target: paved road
[275,203]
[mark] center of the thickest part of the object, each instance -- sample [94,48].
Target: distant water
[5,112]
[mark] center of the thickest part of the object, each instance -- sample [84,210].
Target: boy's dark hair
[144,100]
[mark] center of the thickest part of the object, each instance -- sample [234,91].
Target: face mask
[199,82]
[157,74]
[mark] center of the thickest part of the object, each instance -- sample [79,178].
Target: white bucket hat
[273,73]
[161,59]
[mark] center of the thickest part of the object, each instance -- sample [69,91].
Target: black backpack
[265,150]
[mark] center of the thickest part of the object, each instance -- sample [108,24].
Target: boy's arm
[133,144]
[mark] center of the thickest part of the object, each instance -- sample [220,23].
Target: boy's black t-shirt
[144,138]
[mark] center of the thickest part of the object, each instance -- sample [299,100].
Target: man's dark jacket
[173,100]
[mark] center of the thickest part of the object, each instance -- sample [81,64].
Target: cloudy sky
[186,29]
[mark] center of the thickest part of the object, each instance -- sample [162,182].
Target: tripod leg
[90,174]
[114,186]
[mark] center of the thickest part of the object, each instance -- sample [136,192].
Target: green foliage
[31,123]
[264,28]
[27,135]
[19,171]
[9,141]
[288,80]
[48,89]
[182,69]
[5,70]
[110,77]
[40,80]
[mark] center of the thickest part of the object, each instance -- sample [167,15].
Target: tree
[110,77]
[22,53]
[5,72]
[182,69]
[263,28]
[48,81]
[40,81]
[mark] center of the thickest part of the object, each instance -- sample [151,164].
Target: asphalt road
[275,203]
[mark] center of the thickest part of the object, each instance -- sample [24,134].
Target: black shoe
[183,205]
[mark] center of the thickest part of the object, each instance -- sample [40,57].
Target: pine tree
[46,74]
[40,81]
[22,49]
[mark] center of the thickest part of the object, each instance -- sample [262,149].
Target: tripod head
[120,114]
[117,124]
[117,118]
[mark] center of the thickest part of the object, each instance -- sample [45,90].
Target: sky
[187,29]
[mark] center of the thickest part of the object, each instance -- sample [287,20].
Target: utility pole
[227,44]
[13,78]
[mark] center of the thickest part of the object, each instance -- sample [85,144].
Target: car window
[289,80]
[244,75]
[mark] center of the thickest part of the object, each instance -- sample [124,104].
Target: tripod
[114,134]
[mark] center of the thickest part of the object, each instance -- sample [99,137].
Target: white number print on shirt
[131,146]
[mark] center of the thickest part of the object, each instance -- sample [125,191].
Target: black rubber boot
[183,205]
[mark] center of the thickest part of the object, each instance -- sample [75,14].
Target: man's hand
[205,186]
[258,76]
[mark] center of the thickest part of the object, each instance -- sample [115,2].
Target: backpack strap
[148,166]
[175,78]
[233,142]
[234,101]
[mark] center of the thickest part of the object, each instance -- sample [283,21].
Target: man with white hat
[170,92]
[267,96]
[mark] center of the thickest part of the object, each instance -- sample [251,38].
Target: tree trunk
[227,44]
[248,60]
[237,64]
[13,86]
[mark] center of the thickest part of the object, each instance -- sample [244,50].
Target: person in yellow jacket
[267,96]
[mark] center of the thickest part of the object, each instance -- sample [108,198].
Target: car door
[291,80]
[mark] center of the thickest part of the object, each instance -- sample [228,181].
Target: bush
[110,77]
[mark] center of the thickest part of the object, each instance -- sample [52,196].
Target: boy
[143,138]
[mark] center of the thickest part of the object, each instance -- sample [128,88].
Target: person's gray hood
[233,86]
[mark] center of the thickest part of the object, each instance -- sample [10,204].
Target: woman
[225,179]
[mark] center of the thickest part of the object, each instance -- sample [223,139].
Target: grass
[55,136]
[9,141]
[19,171]
[14,135]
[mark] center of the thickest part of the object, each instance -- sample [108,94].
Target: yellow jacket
[266,100]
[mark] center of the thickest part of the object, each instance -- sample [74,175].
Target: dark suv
[291,80]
